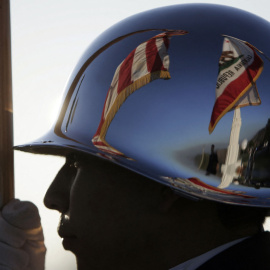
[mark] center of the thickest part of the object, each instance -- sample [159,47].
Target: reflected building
[256,160]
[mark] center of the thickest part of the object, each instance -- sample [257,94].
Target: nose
[57,195]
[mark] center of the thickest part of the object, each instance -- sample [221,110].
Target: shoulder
[252,253]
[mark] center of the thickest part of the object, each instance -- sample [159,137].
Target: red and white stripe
[148,57]
[134,72]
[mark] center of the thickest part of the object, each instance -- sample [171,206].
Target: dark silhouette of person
[213,162]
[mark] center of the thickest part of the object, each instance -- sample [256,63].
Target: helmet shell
[162,129]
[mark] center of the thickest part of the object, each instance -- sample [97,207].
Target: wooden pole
[6,110]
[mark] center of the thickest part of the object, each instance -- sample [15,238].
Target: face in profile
[108,213]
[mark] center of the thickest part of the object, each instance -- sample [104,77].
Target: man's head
[113,217]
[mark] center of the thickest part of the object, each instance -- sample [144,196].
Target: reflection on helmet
[149,61]
[117,107]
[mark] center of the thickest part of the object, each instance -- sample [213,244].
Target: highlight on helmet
[179,94]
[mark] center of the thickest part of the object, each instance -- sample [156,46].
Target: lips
[65,232]
[69,240]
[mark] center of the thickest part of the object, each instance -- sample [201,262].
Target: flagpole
[6,110]
[232,163]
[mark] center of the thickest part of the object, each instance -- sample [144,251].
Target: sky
[48,37]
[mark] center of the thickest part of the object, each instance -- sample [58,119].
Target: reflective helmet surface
[159,125]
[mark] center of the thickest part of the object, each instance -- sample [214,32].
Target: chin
[69,244]
[86,265]
[94,261]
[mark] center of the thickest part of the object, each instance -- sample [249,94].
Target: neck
[195,229]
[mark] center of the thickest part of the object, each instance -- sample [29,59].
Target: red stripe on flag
[154,62]
[200,183]
[231,94]
[125,72]
[204,185]
[100,143]
[166,41]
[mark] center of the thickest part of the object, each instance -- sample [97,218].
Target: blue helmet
[179,94]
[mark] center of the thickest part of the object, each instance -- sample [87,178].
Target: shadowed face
[109,214]
[113,218]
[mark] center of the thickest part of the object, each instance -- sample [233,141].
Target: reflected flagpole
[6,109]
[232,163]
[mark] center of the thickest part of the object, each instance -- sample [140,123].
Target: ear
[169,198]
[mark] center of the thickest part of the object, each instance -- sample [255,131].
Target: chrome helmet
[179,94]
